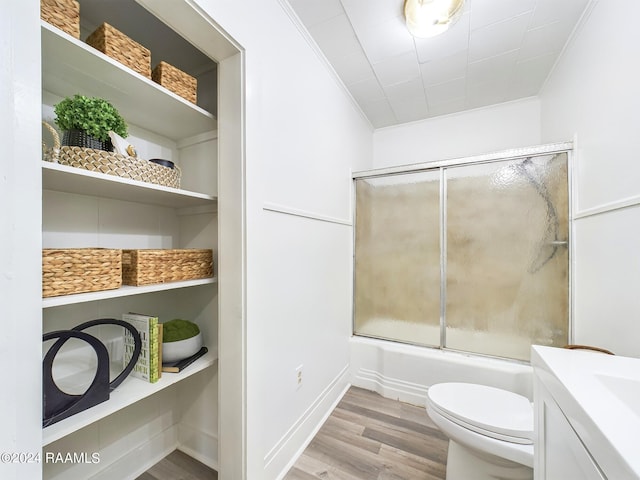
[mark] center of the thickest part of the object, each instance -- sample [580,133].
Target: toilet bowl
[490,431]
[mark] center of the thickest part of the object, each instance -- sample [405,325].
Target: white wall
[473,132]
[303,137]
[593,93]
[20,254]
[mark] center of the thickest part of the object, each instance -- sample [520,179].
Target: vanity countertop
[600,396]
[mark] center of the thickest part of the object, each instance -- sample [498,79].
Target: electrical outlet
[299,377]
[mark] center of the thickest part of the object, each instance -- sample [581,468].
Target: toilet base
[464,463]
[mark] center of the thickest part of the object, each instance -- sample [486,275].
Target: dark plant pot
[79,138]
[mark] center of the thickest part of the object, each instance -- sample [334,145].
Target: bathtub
[405,372]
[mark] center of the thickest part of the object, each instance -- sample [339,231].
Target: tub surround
[597,398]
[405,372]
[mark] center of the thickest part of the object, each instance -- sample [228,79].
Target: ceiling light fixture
[428,18]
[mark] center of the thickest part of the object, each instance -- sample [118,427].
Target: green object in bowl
[178,329]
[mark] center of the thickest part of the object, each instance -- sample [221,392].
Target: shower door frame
[440,166]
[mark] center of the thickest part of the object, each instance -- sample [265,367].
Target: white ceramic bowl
[174,351]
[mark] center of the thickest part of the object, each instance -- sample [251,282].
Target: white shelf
[70,66]
[130,391]
[124,291]
[63,178]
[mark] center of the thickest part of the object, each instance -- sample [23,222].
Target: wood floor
[179,466]
[368,437]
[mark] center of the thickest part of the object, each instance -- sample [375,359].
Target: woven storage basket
[63,14]
[117,45]
[176,80]
[112,163]
[77,270]
[148,266]
[109,163]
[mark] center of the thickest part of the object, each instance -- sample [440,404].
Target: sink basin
[627,390]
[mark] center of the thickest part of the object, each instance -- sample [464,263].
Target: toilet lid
[491,411]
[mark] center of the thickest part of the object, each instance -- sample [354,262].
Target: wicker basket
[78,270]
[110,163]
[148,266]
[63,14]
[176,80]
[118,46]
[50,154]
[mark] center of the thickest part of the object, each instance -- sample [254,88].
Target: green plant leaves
[94,115]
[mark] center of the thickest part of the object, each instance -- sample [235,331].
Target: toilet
[490,431]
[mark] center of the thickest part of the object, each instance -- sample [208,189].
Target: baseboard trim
[388,387]
[287,450]
[200,445]
[129,467]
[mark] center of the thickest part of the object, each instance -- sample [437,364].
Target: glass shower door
[507,261]
[397,258]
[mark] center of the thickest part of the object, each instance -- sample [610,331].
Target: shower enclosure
[469,255]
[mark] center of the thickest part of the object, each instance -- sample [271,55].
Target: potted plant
[86,122]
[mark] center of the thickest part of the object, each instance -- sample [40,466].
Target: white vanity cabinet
[587,415]
[559,452]
[141,422]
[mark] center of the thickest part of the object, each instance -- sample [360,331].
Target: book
[176,367]
[147,366]
[160,335]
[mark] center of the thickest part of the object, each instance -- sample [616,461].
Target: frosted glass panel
[397,258]
[507,256]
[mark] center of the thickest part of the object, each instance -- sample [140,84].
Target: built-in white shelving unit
[70,66]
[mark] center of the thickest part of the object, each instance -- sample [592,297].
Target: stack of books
[149,366]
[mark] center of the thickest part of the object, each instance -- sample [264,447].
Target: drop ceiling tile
[371,12]
[498,37]
[496,67]
[406,90]
[481,94]
[548,11]
[311,13]
[542,40]
[397,69]
[487,12]
[446,108]
[530,75]
[366,90]
[353,68]
[444,69]
[335,37]
[453,41]
[379,112]
[385,40]
[409,110]
[446,92]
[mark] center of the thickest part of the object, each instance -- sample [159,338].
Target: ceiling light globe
[428,18]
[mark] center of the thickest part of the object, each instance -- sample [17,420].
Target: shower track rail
[484,158]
